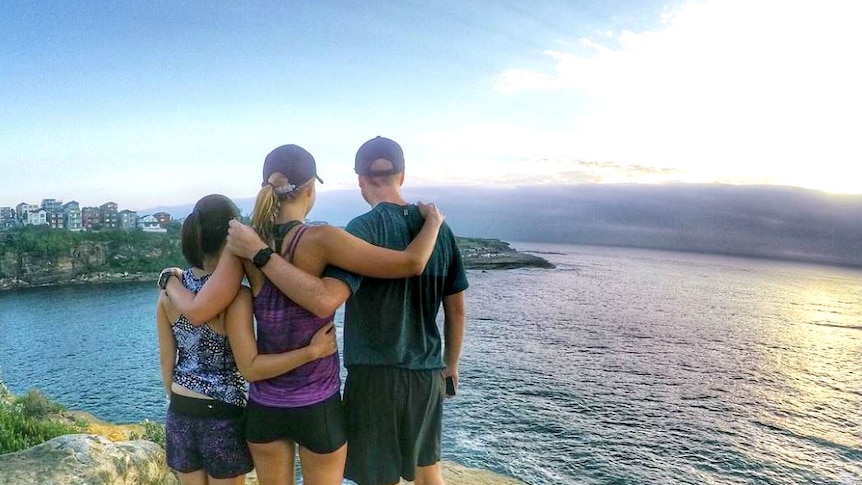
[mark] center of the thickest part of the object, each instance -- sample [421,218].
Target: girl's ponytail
[264,213]
[191,239]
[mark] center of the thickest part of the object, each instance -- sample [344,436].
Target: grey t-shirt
[392,322]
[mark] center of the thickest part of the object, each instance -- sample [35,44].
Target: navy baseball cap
[292,161]
[375,149]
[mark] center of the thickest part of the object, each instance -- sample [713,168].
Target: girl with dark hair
[291,303]
[204,437]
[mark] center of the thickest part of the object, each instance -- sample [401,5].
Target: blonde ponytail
[265,211]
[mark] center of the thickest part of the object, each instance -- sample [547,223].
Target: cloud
[542,171]
[727,90]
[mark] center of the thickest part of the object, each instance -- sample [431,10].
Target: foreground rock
[455,474]
[89,459]
[84,459]
[108,455]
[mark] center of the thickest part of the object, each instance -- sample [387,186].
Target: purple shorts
[197,441]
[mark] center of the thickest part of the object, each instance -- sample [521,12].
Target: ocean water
[620,366]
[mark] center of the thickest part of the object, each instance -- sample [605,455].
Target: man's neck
[391,196]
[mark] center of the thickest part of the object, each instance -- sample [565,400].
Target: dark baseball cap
[292,161]
[377,148]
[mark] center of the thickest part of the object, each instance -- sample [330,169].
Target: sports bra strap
[294,241]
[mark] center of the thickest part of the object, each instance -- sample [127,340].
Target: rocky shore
[106,453]
[81,279]
[478,253]
[481,253]
[85,459]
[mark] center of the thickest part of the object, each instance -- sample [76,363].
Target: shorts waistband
[203,408]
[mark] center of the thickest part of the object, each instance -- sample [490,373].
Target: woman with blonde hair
[283,262]
[205,440]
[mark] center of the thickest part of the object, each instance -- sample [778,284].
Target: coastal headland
[123,257]
[482,253]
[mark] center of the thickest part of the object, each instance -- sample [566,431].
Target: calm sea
[620,366]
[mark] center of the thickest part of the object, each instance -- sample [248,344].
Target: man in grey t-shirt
[396,360]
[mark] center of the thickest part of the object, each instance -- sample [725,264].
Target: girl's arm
[254,366]
[167,345]
[353,254]
[338,248]
[216,294]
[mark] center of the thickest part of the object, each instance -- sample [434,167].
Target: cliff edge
[142,256]
[105,453]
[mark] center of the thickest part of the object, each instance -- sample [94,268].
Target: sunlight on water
[816,374]
[619,366]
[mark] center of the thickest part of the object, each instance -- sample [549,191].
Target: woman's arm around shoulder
[353,254]
[218,291]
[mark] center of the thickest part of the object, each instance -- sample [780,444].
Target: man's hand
[453,373]
[323,341]
[431,212]
[243,240]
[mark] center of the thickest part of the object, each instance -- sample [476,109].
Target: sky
[157,103]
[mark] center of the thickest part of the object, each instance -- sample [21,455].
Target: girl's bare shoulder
[320,232]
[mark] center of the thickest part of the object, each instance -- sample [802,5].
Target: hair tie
[285,189]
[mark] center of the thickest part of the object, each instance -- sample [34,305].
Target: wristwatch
[262,257]
[164,276]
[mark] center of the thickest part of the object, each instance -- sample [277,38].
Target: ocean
[619,366]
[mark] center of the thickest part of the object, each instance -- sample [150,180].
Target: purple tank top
[283,325]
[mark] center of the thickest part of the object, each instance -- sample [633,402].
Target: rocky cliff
[121,256]
[37,256]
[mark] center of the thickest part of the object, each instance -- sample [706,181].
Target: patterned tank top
[205,362]
[282,325]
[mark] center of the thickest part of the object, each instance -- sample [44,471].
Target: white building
[35,218]
[149,223]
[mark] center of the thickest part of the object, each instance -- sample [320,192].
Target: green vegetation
[41,256]
[153,431]
[38,250]
[29,420]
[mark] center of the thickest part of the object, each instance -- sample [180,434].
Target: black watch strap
[262,257]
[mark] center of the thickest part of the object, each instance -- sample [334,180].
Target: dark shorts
[319,427]
[206,434]
[394,418]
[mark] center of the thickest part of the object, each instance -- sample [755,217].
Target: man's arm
[454,322]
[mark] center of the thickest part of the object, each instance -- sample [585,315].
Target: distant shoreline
[484,253]
[477,253]
[728,254]
[84,279]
